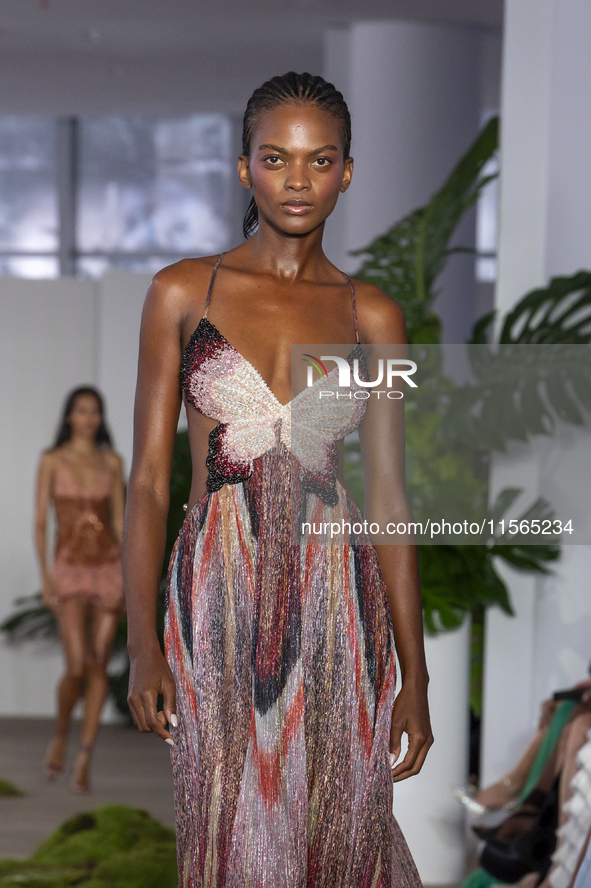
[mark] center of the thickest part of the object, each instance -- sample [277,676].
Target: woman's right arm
[157,406]
[42,500]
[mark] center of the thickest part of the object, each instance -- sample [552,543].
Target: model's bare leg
[498,794]
[573,737]
[104,624]
[71,622]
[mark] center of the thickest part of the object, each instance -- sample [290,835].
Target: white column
[545,230]
[545,136]
[429,816]
[413,91]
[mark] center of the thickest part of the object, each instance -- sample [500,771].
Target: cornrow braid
[291,88]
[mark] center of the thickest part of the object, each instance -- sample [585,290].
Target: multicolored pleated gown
[283,653]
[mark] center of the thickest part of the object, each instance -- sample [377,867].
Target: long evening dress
[283,654]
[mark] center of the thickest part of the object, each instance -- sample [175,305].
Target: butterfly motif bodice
[221,384]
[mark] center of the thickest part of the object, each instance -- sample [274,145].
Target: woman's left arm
[118,496]
[382,446]
[410,714]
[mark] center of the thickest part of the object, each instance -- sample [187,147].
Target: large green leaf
[448,206]
[392,265]
[406,261]
[31,621]
[530,388]
[558,313]
[519,390]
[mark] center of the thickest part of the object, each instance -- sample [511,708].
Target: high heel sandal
[478,814]
[79,782]
[54,769]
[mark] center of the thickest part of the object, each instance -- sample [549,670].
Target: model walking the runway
[278,678]
[82,477]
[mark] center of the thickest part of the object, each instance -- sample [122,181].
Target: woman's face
[296,167]
[85,417]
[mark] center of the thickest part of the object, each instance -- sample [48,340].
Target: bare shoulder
[58,456]
[181,285]
[51,457]
[381,318]
[49,462]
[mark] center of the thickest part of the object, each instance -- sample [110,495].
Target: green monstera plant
[452,432]
[407,260]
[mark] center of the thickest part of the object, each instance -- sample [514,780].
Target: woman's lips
[296,207]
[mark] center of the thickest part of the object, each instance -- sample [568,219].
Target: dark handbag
[511,859]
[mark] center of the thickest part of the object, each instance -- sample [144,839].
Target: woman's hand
[49,595]
[411,715]
[149,676]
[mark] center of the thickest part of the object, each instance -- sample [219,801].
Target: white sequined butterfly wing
[240,398]
[320,415]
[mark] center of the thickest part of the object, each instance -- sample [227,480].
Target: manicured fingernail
[169,741]
[393,758]
[174,721]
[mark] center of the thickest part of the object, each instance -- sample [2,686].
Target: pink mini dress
[87,562]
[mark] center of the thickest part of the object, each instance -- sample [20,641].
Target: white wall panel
[54,335]
[413,90]
[545,231]
[46,348]
[119,308]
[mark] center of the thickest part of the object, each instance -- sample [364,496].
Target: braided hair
[291,88]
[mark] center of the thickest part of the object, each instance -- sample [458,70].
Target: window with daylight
[29,205]
[81,196]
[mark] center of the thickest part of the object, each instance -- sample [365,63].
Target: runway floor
[128,768]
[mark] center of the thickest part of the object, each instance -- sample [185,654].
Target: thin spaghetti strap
[354,304]
[215,268]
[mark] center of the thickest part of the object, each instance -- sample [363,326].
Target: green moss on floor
[111,847]
[9,789]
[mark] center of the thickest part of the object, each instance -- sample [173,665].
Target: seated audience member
[534,801]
